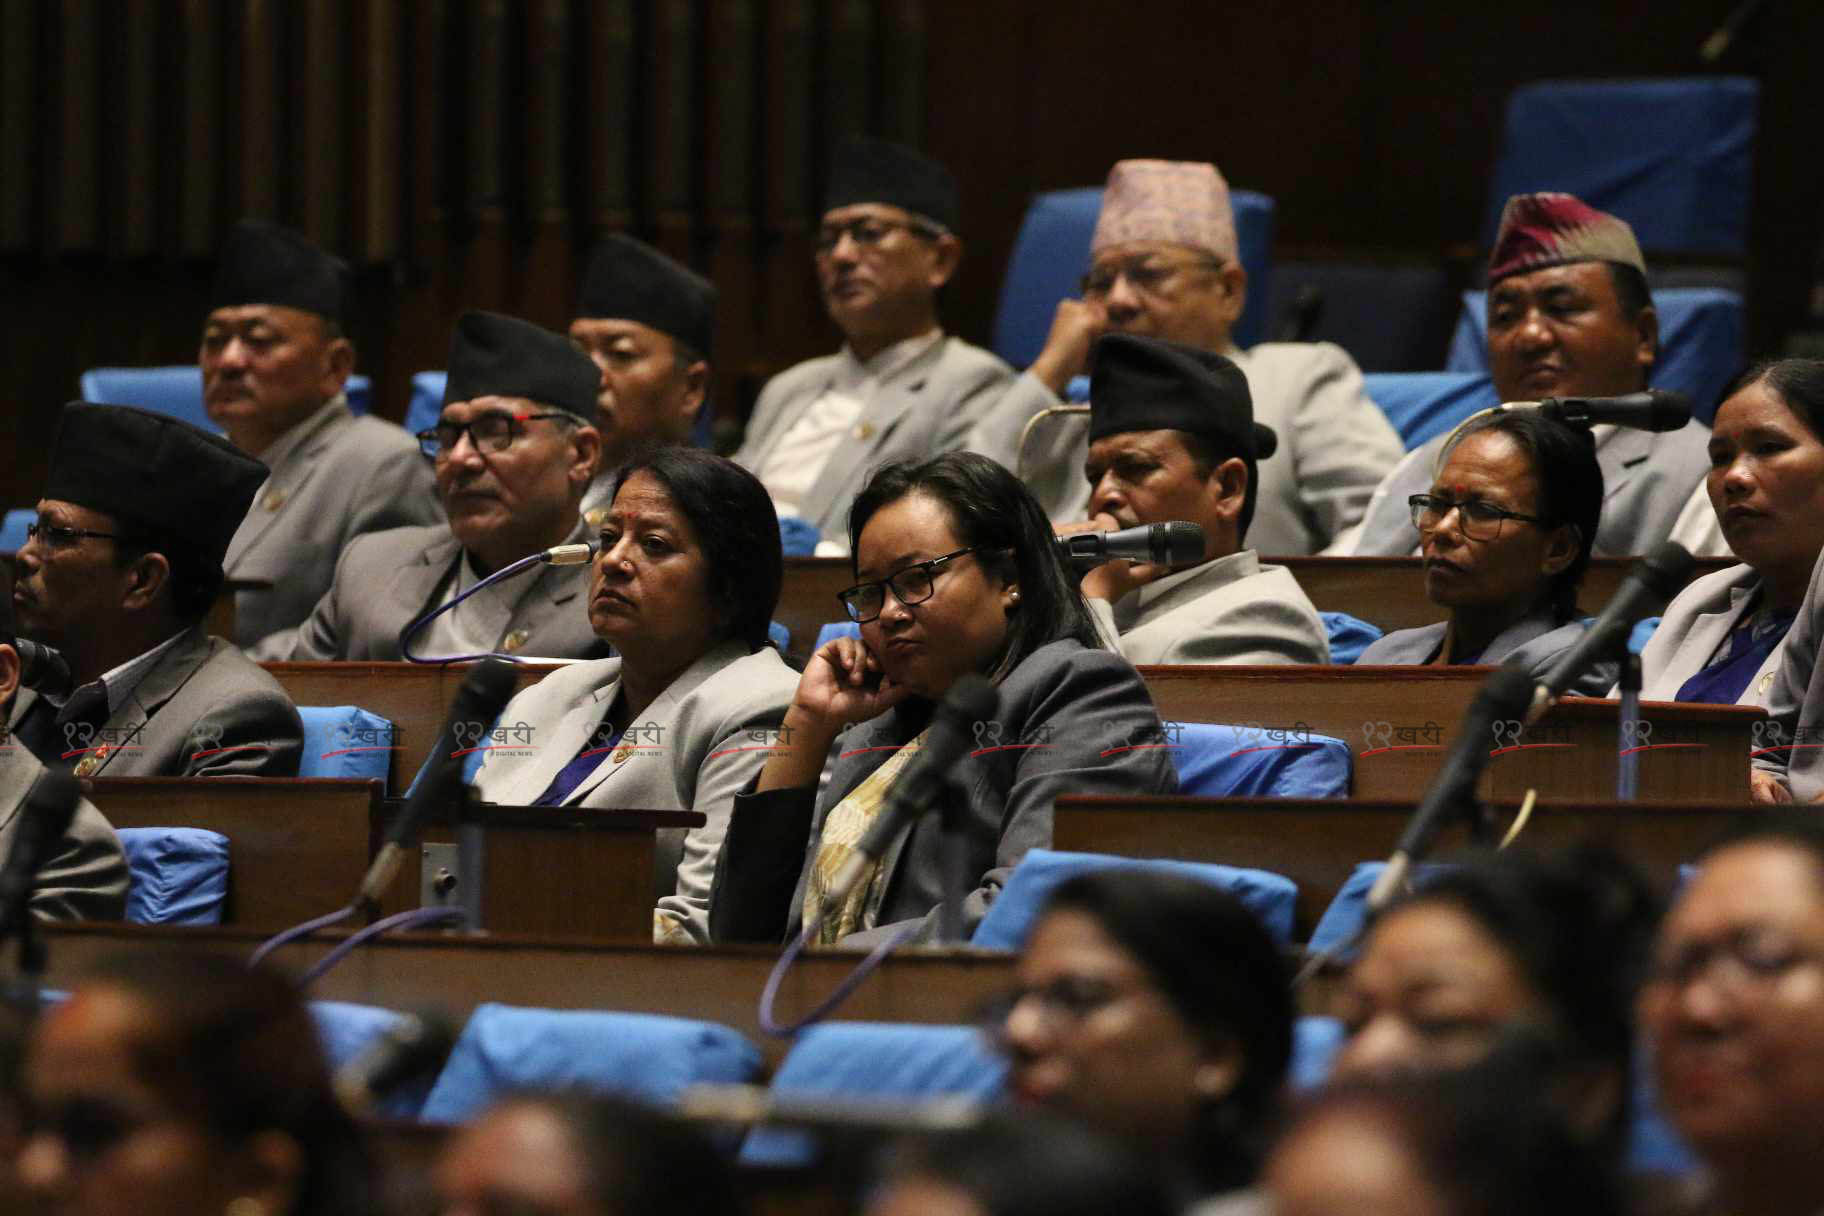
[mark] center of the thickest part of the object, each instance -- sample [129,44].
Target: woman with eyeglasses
[1505,532]
[184,1084]
[683,586]
[1157,1009]
[1733,1011]
[956,573]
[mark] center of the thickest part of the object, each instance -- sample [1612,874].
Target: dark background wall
[465,153]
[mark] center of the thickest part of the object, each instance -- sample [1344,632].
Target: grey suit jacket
[1536,642]
[203,710]
[927,410]
[85,877]
[1231,610]
[1693,626]
[1647,481]
[346,476]
[387,580]
[1061,713]
[1335,445]
[1795,702]
[693,749]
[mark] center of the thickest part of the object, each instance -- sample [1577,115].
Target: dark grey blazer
[1071,703]
[203,710]
[387,580]
[1536,641]
[86,875]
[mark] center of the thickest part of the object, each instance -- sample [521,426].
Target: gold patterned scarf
[843,828]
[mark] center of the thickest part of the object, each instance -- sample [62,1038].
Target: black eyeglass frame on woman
[1479,520]
[924,572]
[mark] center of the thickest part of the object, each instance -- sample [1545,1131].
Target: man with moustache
[275,359]
[900,388]
[513,451]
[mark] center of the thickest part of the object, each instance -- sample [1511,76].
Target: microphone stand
[956,876]
[471,858]
[1627,768]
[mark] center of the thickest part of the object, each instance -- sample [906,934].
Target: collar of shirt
[122,680]
[854,375]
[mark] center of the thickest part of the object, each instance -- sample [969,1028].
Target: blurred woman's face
[1734,1008]
[1432,991]
[1347,1163]
[1092,1036]
[960,627]
[518,1158]
[1506,562]
[917,1196]
[649,587]
[1766,482]
[101,1140]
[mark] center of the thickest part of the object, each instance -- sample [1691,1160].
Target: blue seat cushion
[12,532]
[1315,1042]
[798,537]
[1422,405]
[176,876]
[834,630]
[1215,761]
[345,741]
[876,1060]
[1010,917]
[647,1057]
[346,1030]
[1349,635]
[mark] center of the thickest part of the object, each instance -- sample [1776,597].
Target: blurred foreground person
[1157,1009]
[577,1156]
[186,1084]
[1734,1014]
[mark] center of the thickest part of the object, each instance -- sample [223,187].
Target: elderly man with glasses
[900,388]
[513,451]
[1165,263]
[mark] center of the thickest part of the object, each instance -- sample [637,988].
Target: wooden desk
[1317,843]
[1399,720]
[298,849]
[456,973]
[807,598]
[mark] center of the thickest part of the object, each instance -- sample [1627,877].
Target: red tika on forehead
[1540,230]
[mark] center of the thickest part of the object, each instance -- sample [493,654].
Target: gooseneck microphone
[43,669]
[1654,580]
[1166,544]
[1503,697]
[1654,410]
[483,695]
[43,821]
[557,555]
[413,1047]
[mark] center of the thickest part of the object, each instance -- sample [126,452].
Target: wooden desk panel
[1390,717]
[456,973]
[1317,843]
[807,599]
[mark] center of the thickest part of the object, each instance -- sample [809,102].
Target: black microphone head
[42,668]
[1508,692]
[972,698]
[1669,411]
[488,686]
[1177,543]
[1667,569]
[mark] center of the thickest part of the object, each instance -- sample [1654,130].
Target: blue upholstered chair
[1425,404]
[12,532]
[1051,253]
[1216,761]
[426,403]
[178,391]
[175,876]
[643,1056]
[346,1030]
[345,741]
[1315,1041]
[1349,635]
[1010,917]
[1702,341]
[798,537]
[875,1061]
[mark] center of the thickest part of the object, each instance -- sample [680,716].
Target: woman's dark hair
[637,1159]
[1570,488]
[994,513]
[1227,979]
[1800,828]
[1579,925]
[238,1051]
[1034,1165]
[1483,1140]
[737,527]
[1798,382]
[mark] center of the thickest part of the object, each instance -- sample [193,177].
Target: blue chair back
[175,876]
[1673,157]
[1051,253]
[345,741]
[1702,341]
[178,391]
[1315,1042]
[1425,404]
[1349,635]
[798,537]
[1215,761]
[426,403]
[875,1061]
[647,1057]
[346,1030]
[12,532]
[834,630]
[1011,916]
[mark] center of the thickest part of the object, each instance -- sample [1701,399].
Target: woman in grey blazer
[1722,640]
[685,581]
[1506,530]
[957,574]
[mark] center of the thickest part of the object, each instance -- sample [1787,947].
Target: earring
[1016,595]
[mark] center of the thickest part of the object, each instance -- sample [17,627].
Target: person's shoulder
[1303,359]
[795,377]
[226,671]
[393,544]
[371,440]
[1393,647]
[966,359]
[757,684]
[1064,663]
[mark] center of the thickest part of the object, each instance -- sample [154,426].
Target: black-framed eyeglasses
[56,536]
[1479,520]
[1146,275]
[869,231]
[494,431]
[913,585]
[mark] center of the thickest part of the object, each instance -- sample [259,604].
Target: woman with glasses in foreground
[1505,532]
[957,573]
